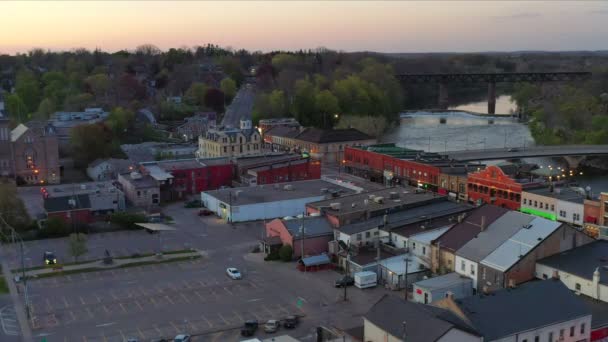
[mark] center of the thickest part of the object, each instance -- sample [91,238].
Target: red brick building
[311,233]
[73,210]
[493,186]
[391,162]
[179,178]
[297,170]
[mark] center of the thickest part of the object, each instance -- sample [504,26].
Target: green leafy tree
[127,220]
[45,109]
[16,108]
[228,86]
[27,87]
[77,245]
[100,85]
[327,106]
[304,103]
[120,120]
[12,208]
[54,227]
[55,86]
[278,105]
[195,95]
[78,102]
[286,253]
[371,125]
[90,142]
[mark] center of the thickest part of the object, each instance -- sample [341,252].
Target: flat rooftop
[266,159]
[278,192]
[561,193]
[80,188]
[391,198]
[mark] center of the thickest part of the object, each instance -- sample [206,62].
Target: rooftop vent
[527,226]
[335,206]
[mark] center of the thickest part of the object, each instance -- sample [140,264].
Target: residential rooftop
[565,194]
[425,323]
[313,226]
[444,281]
[582,261]
[380,200]
[530,306]
[426,225]
[494,235]
[429,235]
[80,188]
[469,227]
[141,182]
[520,244]
[278,192]
[67,203]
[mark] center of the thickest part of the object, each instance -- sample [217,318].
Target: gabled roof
[18,131]
[463,232]
[522,242]
[424,323]
[494,235]
[582,261]
[313,226]
[317,135]
[533,305]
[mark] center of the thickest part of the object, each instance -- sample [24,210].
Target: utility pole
[24,279]
[302,239]
[407,262]
[404,331]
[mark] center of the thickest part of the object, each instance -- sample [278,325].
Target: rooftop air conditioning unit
[527,226]
[335,206]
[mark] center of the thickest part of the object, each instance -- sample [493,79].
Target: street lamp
[407,262]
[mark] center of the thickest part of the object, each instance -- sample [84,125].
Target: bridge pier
[443,96]
[574,161]
[491,97]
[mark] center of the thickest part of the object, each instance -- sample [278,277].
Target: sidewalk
[26,332]
[117,263]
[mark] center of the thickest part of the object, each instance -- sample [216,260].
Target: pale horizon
[389,26]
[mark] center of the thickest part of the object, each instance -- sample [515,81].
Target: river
[461,131]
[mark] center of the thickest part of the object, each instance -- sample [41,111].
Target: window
[535,204]
[546,205]
[561,333]
[423,250]
[472,270]
[577,287]
[572,331]
[550,337]
[413,245]
[138,193]
[359,237]
[462,265]
[525,201]
[582,328]
[536,339]
[367,234]
[552,207]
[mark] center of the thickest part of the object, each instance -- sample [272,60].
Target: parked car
[249,328]
[272,326]
[182,338]
[290,322]
[49,258]
[345,281]
[205,212]
[233,273]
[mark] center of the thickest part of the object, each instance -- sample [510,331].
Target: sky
[383,26]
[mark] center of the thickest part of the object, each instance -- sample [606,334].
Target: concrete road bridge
[573,153]
[491,79]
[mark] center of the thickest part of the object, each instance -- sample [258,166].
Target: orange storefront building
[493,186]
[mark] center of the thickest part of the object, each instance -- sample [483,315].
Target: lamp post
[407,262]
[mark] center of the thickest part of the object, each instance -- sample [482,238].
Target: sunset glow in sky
[392,26]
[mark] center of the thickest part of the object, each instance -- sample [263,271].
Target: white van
[365,279]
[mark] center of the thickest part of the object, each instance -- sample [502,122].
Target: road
[241,106]
[528,152]
[194,297]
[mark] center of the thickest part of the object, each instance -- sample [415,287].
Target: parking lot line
[177,331]
[65,301]
[186,285]
[141,333]
[253,284]
[207,321]
[106,309]
[84,338]
[199,296]
[202,283]
[113,295]
[139,305]
[122,335]
[267,310]
[97,297]
[229,292]
[215,293]
[122,307]
[217,336]
[153,301]
[169,300]
[185,298]
[82,300]
[239,316]
[223,319]
[282,308]
[72,315]
[90,313]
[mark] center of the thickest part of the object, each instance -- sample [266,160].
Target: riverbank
[447,111]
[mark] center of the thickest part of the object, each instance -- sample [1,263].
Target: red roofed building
[493,186]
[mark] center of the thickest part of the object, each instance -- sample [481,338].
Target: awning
[316,260]
[155,227]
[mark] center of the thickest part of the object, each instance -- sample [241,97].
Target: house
[419,244]
[290,171]
[268,201]
[363,206]
[493,186]
[29,153]
[392,319]
[141,190]
[65,122]
[582,269]
[429,290]
[536,311]
[322,144]
[308,233]
[444,247]
[393,270]
[72,209]
[555,203]
[505,253]
[230,142]
[196,125]
[108,169]
[453,182]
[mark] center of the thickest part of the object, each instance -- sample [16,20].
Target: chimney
[483,223]
[596,283]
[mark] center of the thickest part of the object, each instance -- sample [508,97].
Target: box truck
[365,279]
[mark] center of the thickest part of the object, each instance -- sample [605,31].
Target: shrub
[55,227]
[127,220]
[286,253]
[272,256]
